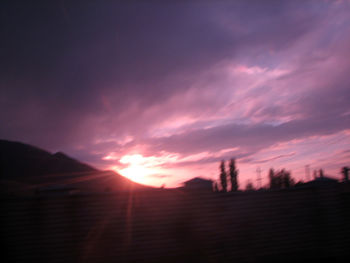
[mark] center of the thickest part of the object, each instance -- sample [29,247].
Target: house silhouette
[199,183]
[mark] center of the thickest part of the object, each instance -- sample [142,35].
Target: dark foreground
[310,224]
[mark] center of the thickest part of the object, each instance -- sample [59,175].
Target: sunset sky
[161,91]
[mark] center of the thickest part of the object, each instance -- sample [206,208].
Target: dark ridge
[22,160]
[25,168]
[61,155]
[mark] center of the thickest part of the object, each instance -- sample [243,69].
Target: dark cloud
[275,158]
[80,77]
[247,136]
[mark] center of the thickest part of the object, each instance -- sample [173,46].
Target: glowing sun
[138,168]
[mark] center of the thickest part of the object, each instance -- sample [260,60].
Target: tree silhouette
[249,186]
[280,180]
[321,173]
[345,171]
[287,180]
[272,178]
[233,175]
[223,176]
[216,189]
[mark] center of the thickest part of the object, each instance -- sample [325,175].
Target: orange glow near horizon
[172,169]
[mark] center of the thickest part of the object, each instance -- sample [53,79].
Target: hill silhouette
[23,160]
[24,168]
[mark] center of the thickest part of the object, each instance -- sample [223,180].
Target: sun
[138,168]
[149,170]
[136,173]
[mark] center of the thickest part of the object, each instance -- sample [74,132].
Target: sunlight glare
[139,168]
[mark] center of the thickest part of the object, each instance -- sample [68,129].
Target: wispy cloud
[194,81]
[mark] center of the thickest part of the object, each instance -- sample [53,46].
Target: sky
[162,91]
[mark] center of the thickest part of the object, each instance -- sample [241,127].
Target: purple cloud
[180,78]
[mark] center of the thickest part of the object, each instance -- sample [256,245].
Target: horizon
[162,92]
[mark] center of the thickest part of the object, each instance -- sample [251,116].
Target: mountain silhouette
[23,160]
[25,168]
